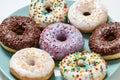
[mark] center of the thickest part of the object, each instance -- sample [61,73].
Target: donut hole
[110,37]
[61,37]
[80,62]
[20,30]
[86,13]
[31,62]
[48,9]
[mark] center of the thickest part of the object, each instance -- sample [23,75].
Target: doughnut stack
[54,32]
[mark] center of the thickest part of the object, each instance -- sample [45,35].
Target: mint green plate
[5,55]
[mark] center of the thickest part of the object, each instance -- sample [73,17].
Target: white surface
[7,7]
[113,7]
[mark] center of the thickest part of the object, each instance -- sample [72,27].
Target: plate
[5,55]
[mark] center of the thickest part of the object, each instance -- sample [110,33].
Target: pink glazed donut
[60,39]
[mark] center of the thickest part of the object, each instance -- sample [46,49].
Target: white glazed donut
[46,12]
[83,66]
[86,15]
[32,64]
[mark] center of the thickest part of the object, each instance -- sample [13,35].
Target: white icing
[43,65]
[98,14]
[58,14]
[89,66]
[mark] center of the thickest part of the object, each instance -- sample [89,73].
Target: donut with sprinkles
[31,64]
[46,12]
[83,66]
[60,39]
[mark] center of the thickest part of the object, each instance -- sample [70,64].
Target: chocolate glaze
[106,39]
[9,37]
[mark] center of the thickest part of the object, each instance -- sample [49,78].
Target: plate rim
[8,77]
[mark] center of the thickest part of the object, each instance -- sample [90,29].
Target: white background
[7,7]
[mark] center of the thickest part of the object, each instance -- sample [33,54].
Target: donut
[46,12]
[17,32]
[105,40]
[83,66]
[86,15]
[60,39]
[31,64]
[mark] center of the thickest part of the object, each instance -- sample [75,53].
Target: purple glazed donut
[60,39]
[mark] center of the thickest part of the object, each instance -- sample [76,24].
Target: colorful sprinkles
[45,12]
[93,66]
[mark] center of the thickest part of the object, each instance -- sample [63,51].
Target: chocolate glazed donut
[19,32]
[105,40]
